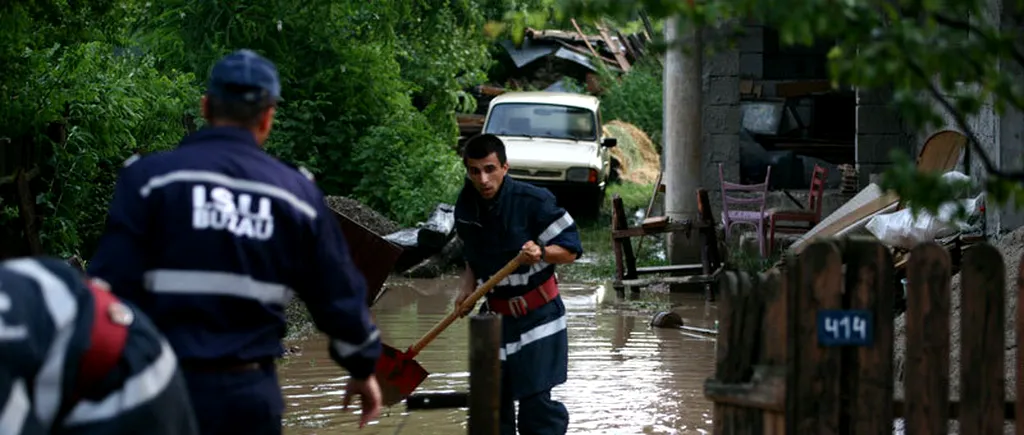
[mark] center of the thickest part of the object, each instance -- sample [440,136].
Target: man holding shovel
[497,219]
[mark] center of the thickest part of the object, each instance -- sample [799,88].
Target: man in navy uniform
[212,238]
[76,360]
[498,217]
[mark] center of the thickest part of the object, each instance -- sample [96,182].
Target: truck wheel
[613,174]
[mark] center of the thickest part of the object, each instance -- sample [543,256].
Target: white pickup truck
[555,140]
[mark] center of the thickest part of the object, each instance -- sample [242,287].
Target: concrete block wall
[722,118]
[1000,136]
[751,66]
[880,129]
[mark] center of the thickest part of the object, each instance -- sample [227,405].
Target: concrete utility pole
[683,134]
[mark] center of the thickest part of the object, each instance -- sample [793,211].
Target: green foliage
[940,58]
[370,91]
[349,69]
[635,98]
[60,74]
[396,165]
[115,104]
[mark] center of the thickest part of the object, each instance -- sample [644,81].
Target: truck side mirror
[610,142]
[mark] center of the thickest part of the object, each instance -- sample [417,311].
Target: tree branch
[961,121]
[966,25]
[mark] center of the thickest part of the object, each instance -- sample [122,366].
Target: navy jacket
[494,231]
[46,317]
[212,238]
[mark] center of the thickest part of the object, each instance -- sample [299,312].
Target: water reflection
[624,377]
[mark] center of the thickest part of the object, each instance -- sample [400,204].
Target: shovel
[398,373]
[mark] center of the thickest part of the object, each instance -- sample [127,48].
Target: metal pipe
[484,374]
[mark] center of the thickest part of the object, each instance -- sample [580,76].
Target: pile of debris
[362,214]
[548,59]
[427,250]
[430,248]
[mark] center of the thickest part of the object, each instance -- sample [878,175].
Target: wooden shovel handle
[470,301]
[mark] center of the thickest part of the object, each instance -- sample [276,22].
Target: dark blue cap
[245,75]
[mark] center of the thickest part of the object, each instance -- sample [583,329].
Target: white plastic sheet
[903,230]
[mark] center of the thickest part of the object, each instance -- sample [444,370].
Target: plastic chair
[757,194]
[810,215]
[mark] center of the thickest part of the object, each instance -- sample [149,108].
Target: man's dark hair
[483,145]
[237,110]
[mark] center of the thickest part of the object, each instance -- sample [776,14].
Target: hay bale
[637,155]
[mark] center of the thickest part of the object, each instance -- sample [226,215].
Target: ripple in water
[624,377]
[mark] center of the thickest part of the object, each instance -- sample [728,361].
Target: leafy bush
[635,97]
[111,104]
[406,172]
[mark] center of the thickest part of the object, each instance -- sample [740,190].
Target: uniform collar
[221,134]
[474,204]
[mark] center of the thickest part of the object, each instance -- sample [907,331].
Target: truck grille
[535,173]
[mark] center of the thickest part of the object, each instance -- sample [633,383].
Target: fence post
[484,374]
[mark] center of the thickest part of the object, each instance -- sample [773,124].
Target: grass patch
[598,261]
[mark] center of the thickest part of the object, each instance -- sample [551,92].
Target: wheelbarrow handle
[470,301]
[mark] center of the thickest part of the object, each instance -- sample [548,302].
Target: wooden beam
[672,227]
[667,269]
[619,57]
[585,40]
[692,279]
[766,390]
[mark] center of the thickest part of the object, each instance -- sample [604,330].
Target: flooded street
[624,377]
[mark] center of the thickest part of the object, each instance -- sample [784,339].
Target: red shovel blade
[398,374]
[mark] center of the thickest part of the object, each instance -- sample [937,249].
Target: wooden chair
[808,217]
[757,195]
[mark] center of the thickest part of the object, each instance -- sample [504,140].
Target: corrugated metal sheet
[528,52]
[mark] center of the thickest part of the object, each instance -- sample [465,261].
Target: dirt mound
[1012,247]
[363,215]
[639,159]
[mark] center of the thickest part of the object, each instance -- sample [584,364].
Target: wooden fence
[808,349]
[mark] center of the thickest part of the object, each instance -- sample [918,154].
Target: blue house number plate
[845,328]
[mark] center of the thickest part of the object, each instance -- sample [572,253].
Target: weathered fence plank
[774,347]
[817,390]
[869,284]
[749,386]
[742,308]
[822,360]
[927,367]
[982,325]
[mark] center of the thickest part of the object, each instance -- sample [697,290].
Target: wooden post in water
[484,374]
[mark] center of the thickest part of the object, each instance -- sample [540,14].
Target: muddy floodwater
[624,377]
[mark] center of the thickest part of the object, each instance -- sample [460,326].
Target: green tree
[65,68]
[940,58]
[348,68]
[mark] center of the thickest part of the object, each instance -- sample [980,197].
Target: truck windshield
[541,120]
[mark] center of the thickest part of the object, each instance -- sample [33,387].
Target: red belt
[530,301]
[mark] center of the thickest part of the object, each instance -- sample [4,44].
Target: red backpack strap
[107,338]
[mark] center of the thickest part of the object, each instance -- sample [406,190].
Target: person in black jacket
[213,238]
[498,217]
[75,360]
